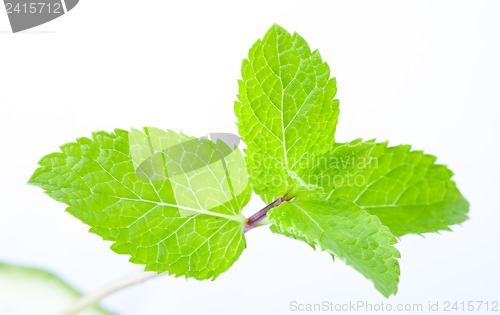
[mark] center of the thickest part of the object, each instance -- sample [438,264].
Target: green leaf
[406,189]
[285,111]
[171,202]
[344,230]
[26,290]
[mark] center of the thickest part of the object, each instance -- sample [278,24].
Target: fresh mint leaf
[25,290]
[406,189]
[346,231]
[285,111]
[287,117]
[171,202]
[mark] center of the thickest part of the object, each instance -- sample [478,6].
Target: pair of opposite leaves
[173,202]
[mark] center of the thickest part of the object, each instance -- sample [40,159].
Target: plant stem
[91,299]
[95,297]
[254,220]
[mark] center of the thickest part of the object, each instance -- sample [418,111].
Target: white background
[419,72]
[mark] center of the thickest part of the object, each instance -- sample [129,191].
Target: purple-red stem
[254,220]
